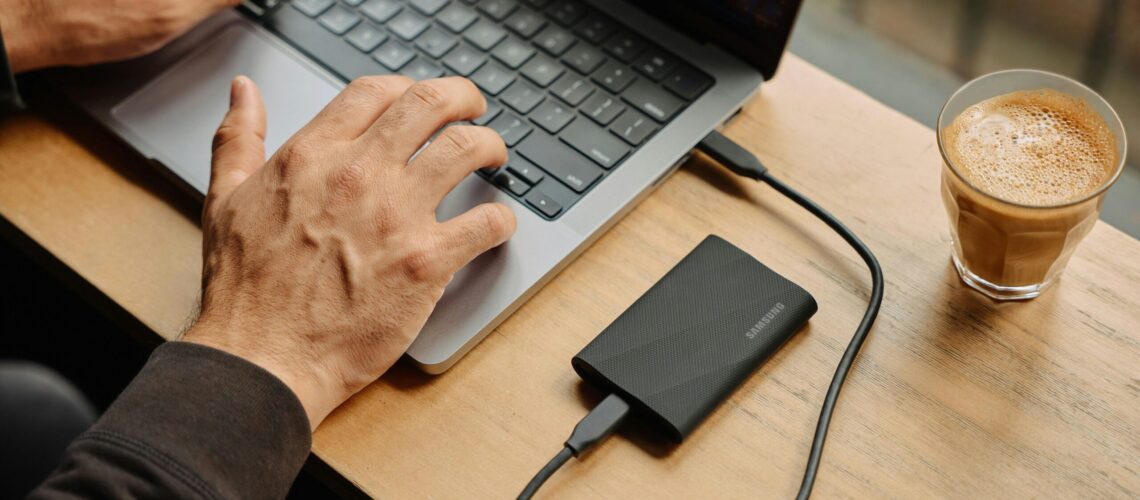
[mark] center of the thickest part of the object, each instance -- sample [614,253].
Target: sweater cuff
[225,420]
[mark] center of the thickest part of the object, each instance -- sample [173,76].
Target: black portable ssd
[695,336]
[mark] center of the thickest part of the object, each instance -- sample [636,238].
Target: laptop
[597,100]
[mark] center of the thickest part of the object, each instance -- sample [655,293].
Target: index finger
[423,109]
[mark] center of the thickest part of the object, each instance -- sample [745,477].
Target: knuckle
[427,94]
[295,153]
[372,86]
[419,263]
[496,220]
[225,133]
[461,139]
[349,179]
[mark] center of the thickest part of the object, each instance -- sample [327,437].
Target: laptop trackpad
[177,113]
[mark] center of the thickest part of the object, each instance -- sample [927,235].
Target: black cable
[594,427]
[741,161]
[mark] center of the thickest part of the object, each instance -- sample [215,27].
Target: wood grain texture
[954,395]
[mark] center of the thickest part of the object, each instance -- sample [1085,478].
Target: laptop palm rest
[174,116]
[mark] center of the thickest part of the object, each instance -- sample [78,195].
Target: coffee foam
[1037,147]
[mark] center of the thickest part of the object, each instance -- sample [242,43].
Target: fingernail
[236,90]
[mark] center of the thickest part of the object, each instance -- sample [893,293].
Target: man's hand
[43,33]
[323,264]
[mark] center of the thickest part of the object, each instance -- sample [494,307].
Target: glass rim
[1118,169]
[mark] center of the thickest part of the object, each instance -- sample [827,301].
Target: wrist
[318,392]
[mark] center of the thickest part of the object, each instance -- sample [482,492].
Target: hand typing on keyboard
[43,33]
[322,264]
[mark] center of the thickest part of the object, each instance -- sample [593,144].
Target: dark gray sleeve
[195,423]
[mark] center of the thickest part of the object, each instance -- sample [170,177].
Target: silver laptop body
[168,105]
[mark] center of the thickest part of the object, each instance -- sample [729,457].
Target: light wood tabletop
[953,396]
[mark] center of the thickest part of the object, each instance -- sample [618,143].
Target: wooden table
[954,395]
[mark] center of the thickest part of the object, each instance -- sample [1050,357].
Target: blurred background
[912,54]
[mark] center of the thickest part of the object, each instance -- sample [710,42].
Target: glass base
[997,292]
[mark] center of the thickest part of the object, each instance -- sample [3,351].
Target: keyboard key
[422,69]
[485,35]
[407,25]
[522,97]
[554,40]
[614,77]
[603,108]
[538,4]
[566,12]
[436,42]
[498,9]
[595,28]
[513,52]
[464,60]
[513,184]
[428,7]
[584,58]
[560,161]
[354,3]
[553,115]
[493,78]
[543,203]
[312,8]
[542,70]
[493,110]
[525,170]
[457,17]
[688,83]
[394,55]
[338,20]
[633,127]
[625,46]
[526,23]
[366,37]
[653,100]
[572,88]
[593,141]
[380,10]
[655,64]
[511,128]
[329,49]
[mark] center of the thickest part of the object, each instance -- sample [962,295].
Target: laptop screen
[754,30]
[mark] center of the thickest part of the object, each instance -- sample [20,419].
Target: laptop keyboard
[570,91]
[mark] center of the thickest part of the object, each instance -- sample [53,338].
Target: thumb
[239,144]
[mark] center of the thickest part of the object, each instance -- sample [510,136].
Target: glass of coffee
[1026,159]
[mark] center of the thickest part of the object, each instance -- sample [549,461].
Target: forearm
[21,25]
[195,423]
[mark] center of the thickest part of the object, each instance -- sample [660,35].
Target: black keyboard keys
[513,184]
[525,170]
[522,97]
[543,203]
[634,127]
[313,8]
[688,83]
[602,108]
[407,25]
[525,22]
[655,64]
[595,28]
[542,70]
[554,40]
[322,45]
[513,52]
[457,17]
[553,115]
[493,78]
[560,161]
[366,37]
[625,46]
[584,58]
[422,69]
[394,55]
[379,10]
[493,110]
[436,42]
[498,9]
[338,20]
[511,128]
[566,12]
[594,142]
[572,88]
[485,35]
[614,77]
[464,60]
[653,100]
[428,7]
